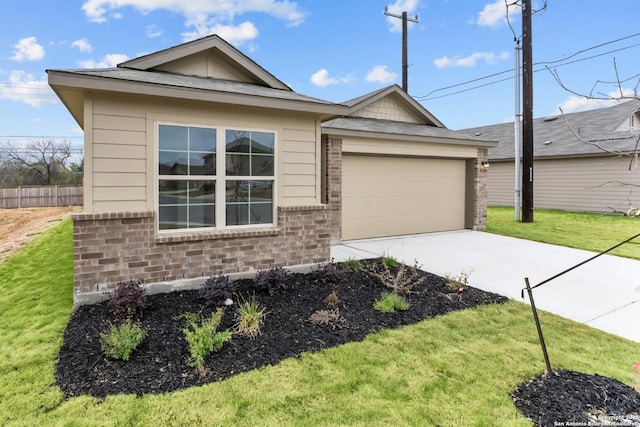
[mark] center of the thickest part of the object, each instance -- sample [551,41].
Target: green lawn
[593,232]
[455,370]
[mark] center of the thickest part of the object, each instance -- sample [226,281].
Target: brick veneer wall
[333,184]
[111,247]
[480,190]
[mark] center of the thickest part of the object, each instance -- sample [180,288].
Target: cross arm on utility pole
[405,65]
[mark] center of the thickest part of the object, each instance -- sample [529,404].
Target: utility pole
[527,117]
[405,61]
[517,131]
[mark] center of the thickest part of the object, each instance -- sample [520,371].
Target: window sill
[194,236]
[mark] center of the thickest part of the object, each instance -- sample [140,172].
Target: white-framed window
[214,177]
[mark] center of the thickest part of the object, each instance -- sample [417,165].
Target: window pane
[172,163]
[237,191]
[237,214]
[262,142]
[202,216]
[202,164]
[261,213]
[238,165]
[261,191]
[202,139]
[172,137]
[171,217]
[237,141]
[172,192]
[202,192]
[261,165]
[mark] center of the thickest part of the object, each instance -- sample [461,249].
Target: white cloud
[110,60]
[494,14]
[471,60]
[380,74]
[204,17]
[233,34]
[321,78]
[82,45]
[153,31]
[28,49]
[397,7]
[574,104]
[24,87]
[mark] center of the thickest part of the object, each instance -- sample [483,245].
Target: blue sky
[331,49]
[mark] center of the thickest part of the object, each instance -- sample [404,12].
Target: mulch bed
[160,364]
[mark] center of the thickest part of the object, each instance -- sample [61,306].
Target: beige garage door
[389,196]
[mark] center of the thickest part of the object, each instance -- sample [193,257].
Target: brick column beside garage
[111,247]
[332,175]
[480,189]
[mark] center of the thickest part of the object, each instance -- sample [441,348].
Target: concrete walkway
[604,293]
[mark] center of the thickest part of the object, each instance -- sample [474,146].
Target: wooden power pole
[527,116]
[405,61]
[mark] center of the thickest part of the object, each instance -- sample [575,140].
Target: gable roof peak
[154,60]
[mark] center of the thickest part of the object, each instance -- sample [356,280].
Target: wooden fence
[40,196]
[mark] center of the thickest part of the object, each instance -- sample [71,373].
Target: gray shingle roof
[195,82]
[396,128]
[604,127]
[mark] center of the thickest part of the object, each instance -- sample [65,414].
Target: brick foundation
[110,247]
[332,175]
[480,191]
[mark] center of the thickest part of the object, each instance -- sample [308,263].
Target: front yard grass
[454,370]
[589,231]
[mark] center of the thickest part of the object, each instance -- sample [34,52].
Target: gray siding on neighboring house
[593,184]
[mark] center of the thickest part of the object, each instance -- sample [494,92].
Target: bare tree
[36,162]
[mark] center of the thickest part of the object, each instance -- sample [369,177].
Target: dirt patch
[19,226]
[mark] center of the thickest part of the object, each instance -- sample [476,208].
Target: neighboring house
[199,162]
[582,160]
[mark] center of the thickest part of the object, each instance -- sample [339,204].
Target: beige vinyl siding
[121,141]
[407,148]
[585,184]
[207,64]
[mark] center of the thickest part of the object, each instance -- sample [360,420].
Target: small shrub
[458,283]
[272,280]
[120,340]
[202,338]
[352,264]
[389,302]
[401,280]
[331,318]
[249,317]
[332,299]
[216,291]
[128,300]
[329,273]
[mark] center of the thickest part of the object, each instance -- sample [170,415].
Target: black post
[538,327]
[405,62]
[527,117]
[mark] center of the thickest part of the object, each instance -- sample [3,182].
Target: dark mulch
[573,398]
[160,363]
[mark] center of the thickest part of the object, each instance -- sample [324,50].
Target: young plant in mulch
[128,300]
[401,279]
[331,318]
[389,261]
[272,280]
[120,340]
[217,291]
[390,302]
[328,274]
[458,283]
[332,299]
[249,317]
[203,338]
[352,264]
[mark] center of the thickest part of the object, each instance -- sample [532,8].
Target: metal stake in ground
[535,317]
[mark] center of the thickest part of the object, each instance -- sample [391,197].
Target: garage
[392,195]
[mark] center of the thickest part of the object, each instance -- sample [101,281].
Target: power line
[429,97]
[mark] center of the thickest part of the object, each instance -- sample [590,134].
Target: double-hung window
[214,177]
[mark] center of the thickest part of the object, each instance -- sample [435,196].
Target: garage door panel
[386,196]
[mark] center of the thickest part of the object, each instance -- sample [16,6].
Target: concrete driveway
[604,293]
